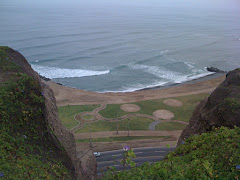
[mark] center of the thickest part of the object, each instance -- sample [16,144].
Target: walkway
[174,134]
[97,117]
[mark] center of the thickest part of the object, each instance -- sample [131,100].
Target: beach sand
[70,96]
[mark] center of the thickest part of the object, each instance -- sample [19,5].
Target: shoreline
[70,96]
[169,85]
[214,72]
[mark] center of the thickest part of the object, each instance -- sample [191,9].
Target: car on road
[96,154]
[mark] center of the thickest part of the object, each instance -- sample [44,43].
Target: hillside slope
[212,155]
[33,142]
[221,108]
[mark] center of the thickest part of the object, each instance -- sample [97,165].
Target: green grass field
[135,123]
[182,113]
[170,126]
[88,117]
[121,138]
[67,113]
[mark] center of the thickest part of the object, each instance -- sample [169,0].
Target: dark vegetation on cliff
[26,148]
[212,155]
[209,147]
[221,108]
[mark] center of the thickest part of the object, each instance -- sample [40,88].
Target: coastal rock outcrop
[221,108]
[216,70]
[57,135]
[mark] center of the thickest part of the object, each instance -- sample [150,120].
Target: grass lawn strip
[182,113]
[135,123]
[121,138]
[170,126]
[88,117]
[67,113]
[113,111]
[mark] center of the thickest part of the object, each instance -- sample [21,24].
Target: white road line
[115,165]
[160,151]
[136,158]
[117,155]
[140,148]
[138,152]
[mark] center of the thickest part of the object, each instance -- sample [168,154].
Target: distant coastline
[168,85]
[70,96]
[215,74]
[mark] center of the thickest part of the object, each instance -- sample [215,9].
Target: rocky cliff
[221,108]
[51,134]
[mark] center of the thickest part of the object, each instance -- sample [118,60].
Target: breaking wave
[171,76]
[53,72]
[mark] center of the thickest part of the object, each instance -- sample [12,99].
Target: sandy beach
[70,96]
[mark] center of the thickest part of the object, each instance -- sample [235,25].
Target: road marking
[138,152]
[104,162]
[117,155]
[160,151]
[137,158]
[120,150]
[115,165]
[162,147]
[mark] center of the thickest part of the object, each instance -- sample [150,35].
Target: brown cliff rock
[61,138]
[221,108]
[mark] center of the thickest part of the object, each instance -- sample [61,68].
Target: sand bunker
[130,107]
[173,102]
[163,114]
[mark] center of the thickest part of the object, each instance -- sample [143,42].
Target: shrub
[25,151]
[210,155]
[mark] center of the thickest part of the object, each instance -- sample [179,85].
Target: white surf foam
[192,77]
[157,71]
[53,72]
[171,76]
[136,87]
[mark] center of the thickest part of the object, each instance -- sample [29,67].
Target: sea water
[122,45]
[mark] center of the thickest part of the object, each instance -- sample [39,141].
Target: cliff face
[58,137]
[221,108]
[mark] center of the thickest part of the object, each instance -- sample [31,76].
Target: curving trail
[97,117]
[152,125]
[82,122]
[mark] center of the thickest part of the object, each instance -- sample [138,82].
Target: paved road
[113,158]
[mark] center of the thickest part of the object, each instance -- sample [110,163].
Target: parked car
[96,154]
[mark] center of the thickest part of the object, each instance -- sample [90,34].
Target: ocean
[123,46]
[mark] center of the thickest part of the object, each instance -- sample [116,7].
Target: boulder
[221,108]
[213,69]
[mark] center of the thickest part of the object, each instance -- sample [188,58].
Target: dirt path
[97,117]
[82,122]
[173,102]
[110,146]
[70,96]
[171,139]
[174,134]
